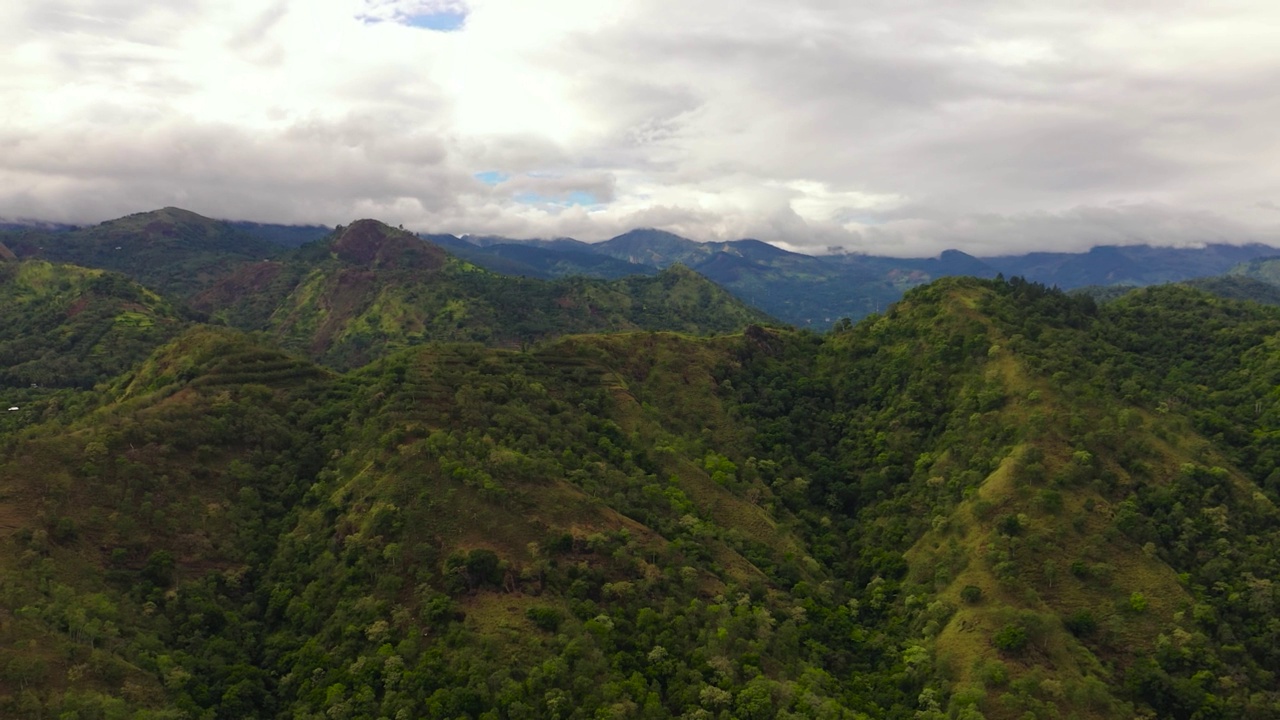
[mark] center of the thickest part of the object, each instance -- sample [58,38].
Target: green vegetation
[71,327]
[371,289]
[171,250]
[993,500]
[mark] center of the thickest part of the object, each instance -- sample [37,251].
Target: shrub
[546,618]
[1010,525]
[1081,623]
[1011,638]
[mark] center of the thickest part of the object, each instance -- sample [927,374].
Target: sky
[892,127]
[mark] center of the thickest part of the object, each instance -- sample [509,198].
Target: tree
[1011,638]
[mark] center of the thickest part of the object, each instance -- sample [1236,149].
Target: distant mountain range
[816,290]
[178,251]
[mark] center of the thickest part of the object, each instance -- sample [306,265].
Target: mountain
[171,250]
[6,254]
[993,500]
[1266,269]
[545,259]
[1129,264]
[67,326]
[563,243]
[815,291]
[183,254]
[653,247]
[551,263]
[290,236]
[34,225]
[370,289]
[476,255]
[955,262]
[1236,287]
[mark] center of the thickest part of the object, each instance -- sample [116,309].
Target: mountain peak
[652,247]
[374,243]
[163,221]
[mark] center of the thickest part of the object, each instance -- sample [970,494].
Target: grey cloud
[997,127]
[599,184]
[318,172]
[512,154]
[252,34]
[908,112]
[1071,230]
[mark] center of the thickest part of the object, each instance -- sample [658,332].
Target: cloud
[878,126]
[1072,229]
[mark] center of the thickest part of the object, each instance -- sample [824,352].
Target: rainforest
[365,477]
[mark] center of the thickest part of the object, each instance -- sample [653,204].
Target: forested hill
[171,250]
[994,500]
[72,327]
[370,288]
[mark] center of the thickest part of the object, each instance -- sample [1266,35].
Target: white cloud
[875,125]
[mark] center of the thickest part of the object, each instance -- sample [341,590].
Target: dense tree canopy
[994,500]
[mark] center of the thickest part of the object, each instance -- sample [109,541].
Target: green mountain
[171,250]
[994,500]
[1266,269]
[290,236]
[371,288]
[817,291]
[1238,287]
[545,259]
[67,326]
[1256,281]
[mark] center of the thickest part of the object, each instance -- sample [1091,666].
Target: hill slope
[371,288]
[67,326]
[171,250]
[994,500]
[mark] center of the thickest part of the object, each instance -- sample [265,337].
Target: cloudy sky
[888,126]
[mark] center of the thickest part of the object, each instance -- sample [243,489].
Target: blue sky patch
[443,21]
[491,177]
[577,197]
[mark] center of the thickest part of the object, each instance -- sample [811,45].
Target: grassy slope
[1077,455]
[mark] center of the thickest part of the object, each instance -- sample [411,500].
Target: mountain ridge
[816,290]
[369,288]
